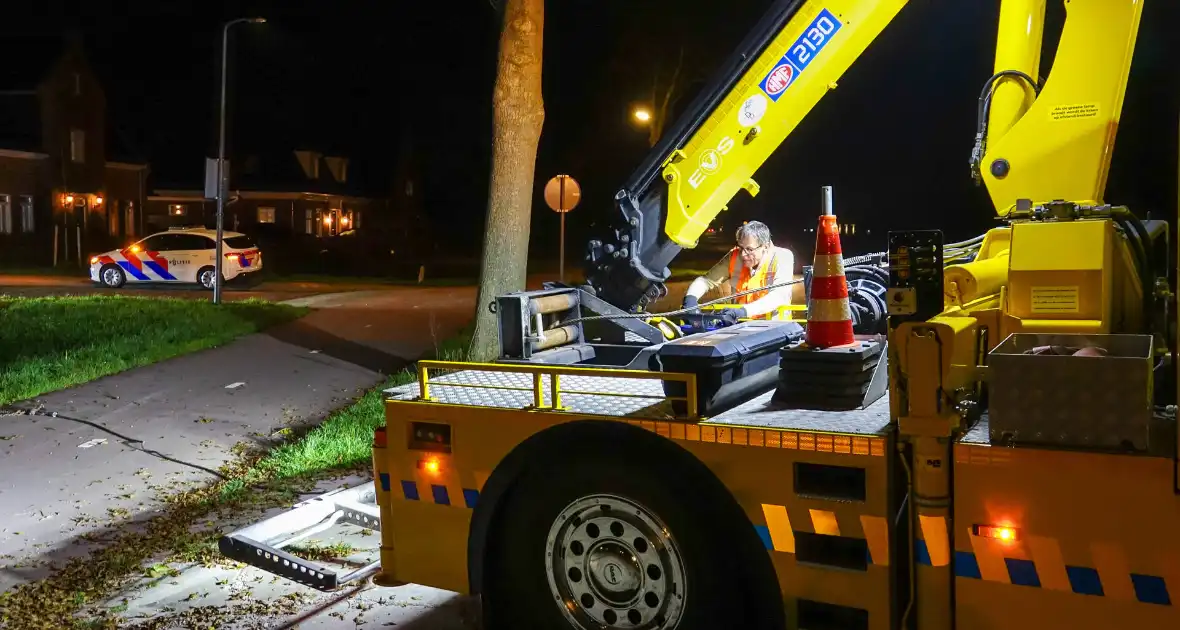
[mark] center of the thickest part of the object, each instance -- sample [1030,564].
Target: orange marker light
[431,466]
[996,532]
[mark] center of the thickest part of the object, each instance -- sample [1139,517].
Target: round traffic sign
[562,193]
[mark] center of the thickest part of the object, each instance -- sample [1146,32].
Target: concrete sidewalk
[100,453]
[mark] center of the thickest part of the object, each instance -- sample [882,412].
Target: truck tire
[606,540]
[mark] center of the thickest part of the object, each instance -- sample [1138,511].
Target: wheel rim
[611,562]
[207,279]
[110,276]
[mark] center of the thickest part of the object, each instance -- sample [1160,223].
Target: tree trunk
[518,113]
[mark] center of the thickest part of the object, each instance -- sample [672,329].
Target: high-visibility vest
[741,279]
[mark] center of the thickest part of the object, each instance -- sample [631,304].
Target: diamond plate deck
[635,398]
[978,434]
[762,413]
[1162,438]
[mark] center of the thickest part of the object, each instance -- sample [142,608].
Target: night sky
[354,78]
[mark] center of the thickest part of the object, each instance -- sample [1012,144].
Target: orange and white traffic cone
[829,316]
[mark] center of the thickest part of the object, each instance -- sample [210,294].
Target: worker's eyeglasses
[749,250]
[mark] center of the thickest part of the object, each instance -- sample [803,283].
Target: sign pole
[561,248]
[562,194]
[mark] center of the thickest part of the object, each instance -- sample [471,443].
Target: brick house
[60,198]
[297,205]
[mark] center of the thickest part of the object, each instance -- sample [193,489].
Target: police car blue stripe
[132,271]
[159,271]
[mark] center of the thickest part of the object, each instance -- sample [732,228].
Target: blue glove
[731,315]
[690,302]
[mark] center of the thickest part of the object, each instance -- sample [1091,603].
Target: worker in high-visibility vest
[756,262]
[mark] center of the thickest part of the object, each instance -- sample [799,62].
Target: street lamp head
[642,115]
[253,20]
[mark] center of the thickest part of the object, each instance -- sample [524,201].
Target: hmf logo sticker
[799,55]
[777,81]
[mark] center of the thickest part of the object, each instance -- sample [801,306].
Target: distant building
[61,199]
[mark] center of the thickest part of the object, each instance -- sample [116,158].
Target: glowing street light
[642,115]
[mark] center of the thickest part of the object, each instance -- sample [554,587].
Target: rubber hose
[1140,240]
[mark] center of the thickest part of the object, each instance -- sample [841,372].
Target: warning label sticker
[1055,300]
[1074,112]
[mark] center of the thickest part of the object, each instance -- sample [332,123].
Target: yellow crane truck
[997,449]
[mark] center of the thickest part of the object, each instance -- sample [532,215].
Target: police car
[180,255]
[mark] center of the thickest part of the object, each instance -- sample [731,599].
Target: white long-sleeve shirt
[719,278]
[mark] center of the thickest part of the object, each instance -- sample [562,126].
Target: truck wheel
[609,543]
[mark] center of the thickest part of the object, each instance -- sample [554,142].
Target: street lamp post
[221,156]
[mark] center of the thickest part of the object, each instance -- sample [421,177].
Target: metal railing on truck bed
[581,390]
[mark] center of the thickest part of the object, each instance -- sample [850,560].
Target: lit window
[266,215]
[26,213]
[77,145]
[5,214]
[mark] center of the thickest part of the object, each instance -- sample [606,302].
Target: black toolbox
[732,364]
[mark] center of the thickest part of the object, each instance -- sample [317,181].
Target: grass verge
[50,343]
[186,531]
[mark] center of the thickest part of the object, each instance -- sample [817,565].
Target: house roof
[20,122]
[281,171]
[20,110]
[37,54]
